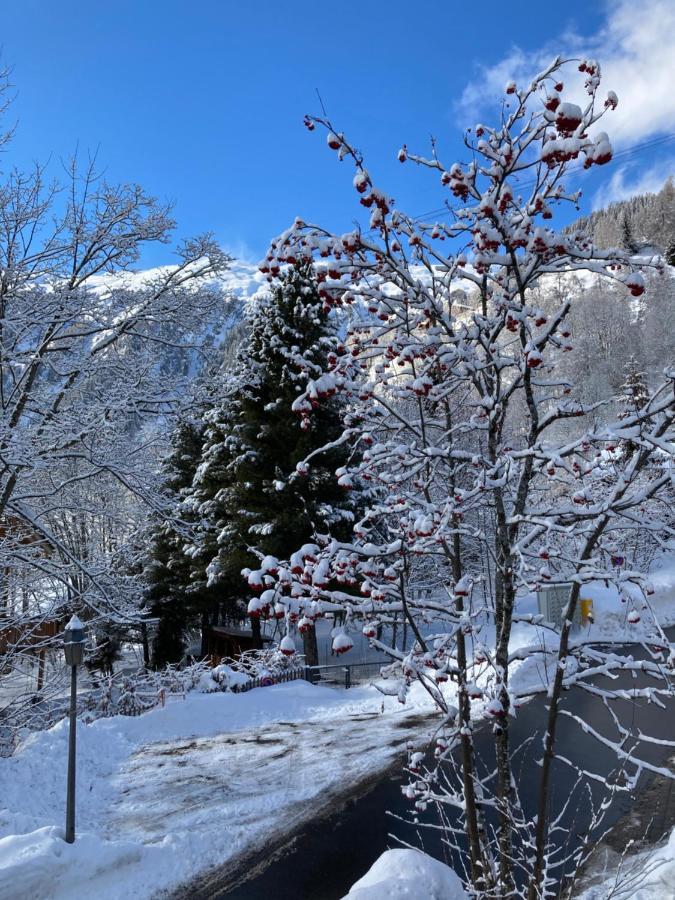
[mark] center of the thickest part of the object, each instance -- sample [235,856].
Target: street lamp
[73,648]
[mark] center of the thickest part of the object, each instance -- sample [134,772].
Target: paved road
[321,861]
[260,784]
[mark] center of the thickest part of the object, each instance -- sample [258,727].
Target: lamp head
[73,642]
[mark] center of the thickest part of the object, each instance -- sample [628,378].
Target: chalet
[224,641]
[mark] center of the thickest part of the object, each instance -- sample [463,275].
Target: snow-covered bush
[404,874]
[134,694]
[269,661]
[131,694]
[222,678]
[132,700]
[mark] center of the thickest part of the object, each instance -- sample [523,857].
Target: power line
[628,153]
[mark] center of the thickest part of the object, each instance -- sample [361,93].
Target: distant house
[17,534]
[222,641]
[23,630]
[32,636]
[21,532]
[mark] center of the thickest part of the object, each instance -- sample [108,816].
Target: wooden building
[224,641]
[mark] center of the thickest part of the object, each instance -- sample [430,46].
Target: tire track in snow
[259,785]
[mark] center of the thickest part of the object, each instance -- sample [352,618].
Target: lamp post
[73,648]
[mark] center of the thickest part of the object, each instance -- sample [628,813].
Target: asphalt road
[320,860]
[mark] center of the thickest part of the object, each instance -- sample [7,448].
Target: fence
[349,674]
[267,680]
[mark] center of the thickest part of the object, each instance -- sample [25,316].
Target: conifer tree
[670,253]
[635,395]
[627,236]
[251,500]
[173,594]
[635,392]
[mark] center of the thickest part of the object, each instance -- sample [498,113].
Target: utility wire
[623,155]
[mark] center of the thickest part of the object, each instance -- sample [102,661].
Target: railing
[268,680]
[348,674]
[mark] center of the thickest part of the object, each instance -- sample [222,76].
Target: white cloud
[625,183]
[635,48]
[641,63]
[489,85]
[241,251]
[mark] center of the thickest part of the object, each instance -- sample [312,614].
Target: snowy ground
[649,875]
[404,874]
[181,789]
[168,795]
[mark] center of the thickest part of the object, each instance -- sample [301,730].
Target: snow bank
[164,796]
[408,875]
[33,793]
[644,876]
[40,865]
[611,615]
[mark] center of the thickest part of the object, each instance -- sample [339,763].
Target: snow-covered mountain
[240,282]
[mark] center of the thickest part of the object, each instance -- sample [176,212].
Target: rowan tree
[460,410]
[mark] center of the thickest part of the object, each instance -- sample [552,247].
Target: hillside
[647,219]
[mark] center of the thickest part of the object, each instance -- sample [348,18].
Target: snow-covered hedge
[134,694]
[131,694]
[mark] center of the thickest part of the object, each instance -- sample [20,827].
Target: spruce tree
[247,492]
[670,253]
[173,594]
[635,395]
[627,237]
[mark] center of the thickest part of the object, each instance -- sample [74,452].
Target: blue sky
[202,102]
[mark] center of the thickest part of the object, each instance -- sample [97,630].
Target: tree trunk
[310,647]
[41,668]
[479,868]
[256,632]
[504,606]
[146,646]
[536,888]
[206,627]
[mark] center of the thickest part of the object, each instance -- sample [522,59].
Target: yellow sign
[587,611]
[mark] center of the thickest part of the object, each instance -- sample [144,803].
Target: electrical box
[552,602]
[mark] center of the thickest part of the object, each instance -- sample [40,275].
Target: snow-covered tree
[82,345]
[459,403]
[605,331]
[635,394]
[656,333]
[646,220]
[248,506]
[174,595]
[628,241]
[634,398]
